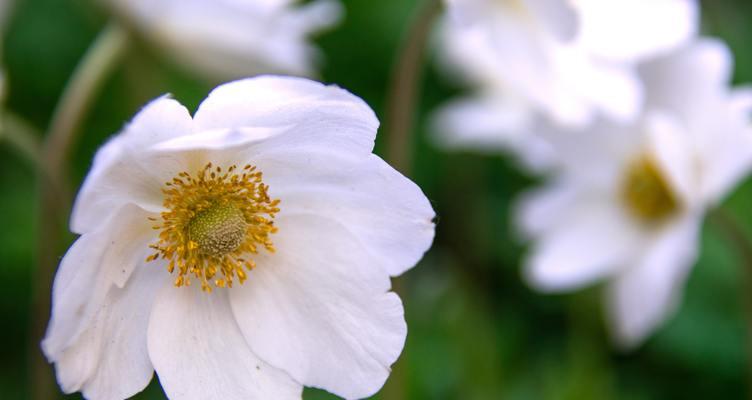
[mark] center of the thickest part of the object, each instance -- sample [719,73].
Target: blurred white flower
[628,200]
[234,38]
[567,62]
[294,264]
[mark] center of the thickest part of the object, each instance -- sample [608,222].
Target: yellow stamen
[646,193]
[214,218]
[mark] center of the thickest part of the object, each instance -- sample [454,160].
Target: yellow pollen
[214,220]
[645,192]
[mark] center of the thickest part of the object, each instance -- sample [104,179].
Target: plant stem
[735,233]
[88,78]
[22,136]
[402,101]
[405,87]
[79,94]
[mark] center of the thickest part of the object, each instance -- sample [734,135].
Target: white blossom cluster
[630,115]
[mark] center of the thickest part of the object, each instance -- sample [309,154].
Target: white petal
[218,139]
[501,48]
[199,353]
[522,47]
[694,85]
[319,309]
[96,261]
[485,123]
[741,99]
[643,296]
[558,16]
[671,144]
[586,242]
[465,11]
[317,111]
[490,123]
[612,89]
[117,177]
[685,82]
[726,147]
[536,210]
[388,214]
[316,15]
[632,30]
[231,39]
[110,360]
[161,119]
[594,157]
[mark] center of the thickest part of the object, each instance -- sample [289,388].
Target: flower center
[646,193]
[215,219]
[218,230]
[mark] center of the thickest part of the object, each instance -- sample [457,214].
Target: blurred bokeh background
[475,330]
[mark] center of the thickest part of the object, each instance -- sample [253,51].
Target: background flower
[234,38]
[628,200]
[567,63]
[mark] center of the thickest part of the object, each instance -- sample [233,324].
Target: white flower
[233,38]
[627,203]
[567,62]
[294,264]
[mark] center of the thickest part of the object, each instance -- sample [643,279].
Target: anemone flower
[242,253]
[627,201]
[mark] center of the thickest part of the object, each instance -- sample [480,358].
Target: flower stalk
[54,190]
[78,96]
[405,88]
[402,102]
[20,135]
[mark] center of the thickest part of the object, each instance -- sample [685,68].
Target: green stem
[92,72]
[736,235]
[20,135]
[405,87]
[87,80]
[402,101]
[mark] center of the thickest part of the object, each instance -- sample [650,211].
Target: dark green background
[475,330]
